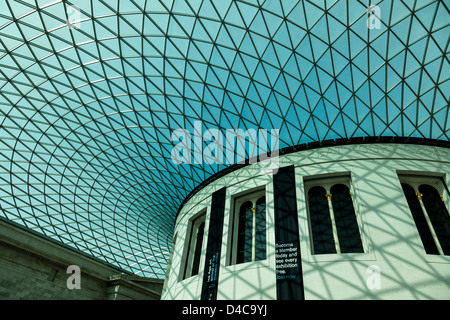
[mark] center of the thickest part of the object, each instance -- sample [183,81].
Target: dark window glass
[419,219]
[322,232]
[346,223]
[244,245]
[198,248]
[438,214]
[260,229]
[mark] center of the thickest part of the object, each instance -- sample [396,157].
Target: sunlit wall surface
[91,91]
[371,247]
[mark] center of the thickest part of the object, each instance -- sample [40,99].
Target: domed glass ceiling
[91,92]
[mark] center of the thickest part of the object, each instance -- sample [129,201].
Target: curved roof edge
[316,145]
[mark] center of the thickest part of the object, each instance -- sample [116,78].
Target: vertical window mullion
[320,222]
[253,232]
[333,224]
[430,225]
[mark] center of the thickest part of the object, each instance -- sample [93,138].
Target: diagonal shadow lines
[86,114]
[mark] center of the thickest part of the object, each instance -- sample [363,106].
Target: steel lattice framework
[90,92]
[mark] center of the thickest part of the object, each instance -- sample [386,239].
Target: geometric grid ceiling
[90,95]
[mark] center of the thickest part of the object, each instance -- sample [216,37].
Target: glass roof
[91,91]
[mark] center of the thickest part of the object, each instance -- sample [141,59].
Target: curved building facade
[353,221]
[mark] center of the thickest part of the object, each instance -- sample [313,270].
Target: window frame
[327,183]
[415,180]
[191,245]
[253,196]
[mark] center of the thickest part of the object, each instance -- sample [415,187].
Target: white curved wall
[390,238]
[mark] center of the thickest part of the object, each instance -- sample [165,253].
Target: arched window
[346,224]
[260,229]
[244,244]
[419,219]
[439,216]
[333,222]
[198,248]
[321,226]
[426,202]
[249,230]
[193,248]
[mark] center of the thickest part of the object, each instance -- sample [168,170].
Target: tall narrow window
[245,233]
[426,202]
[321,227]
[346,224]
[439,216]
[198,248]
[194,247]
[249,229]
[333,222]
[260,229]
[419,219]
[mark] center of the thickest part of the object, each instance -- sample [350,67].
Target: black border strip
[289,279]
[213,248]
